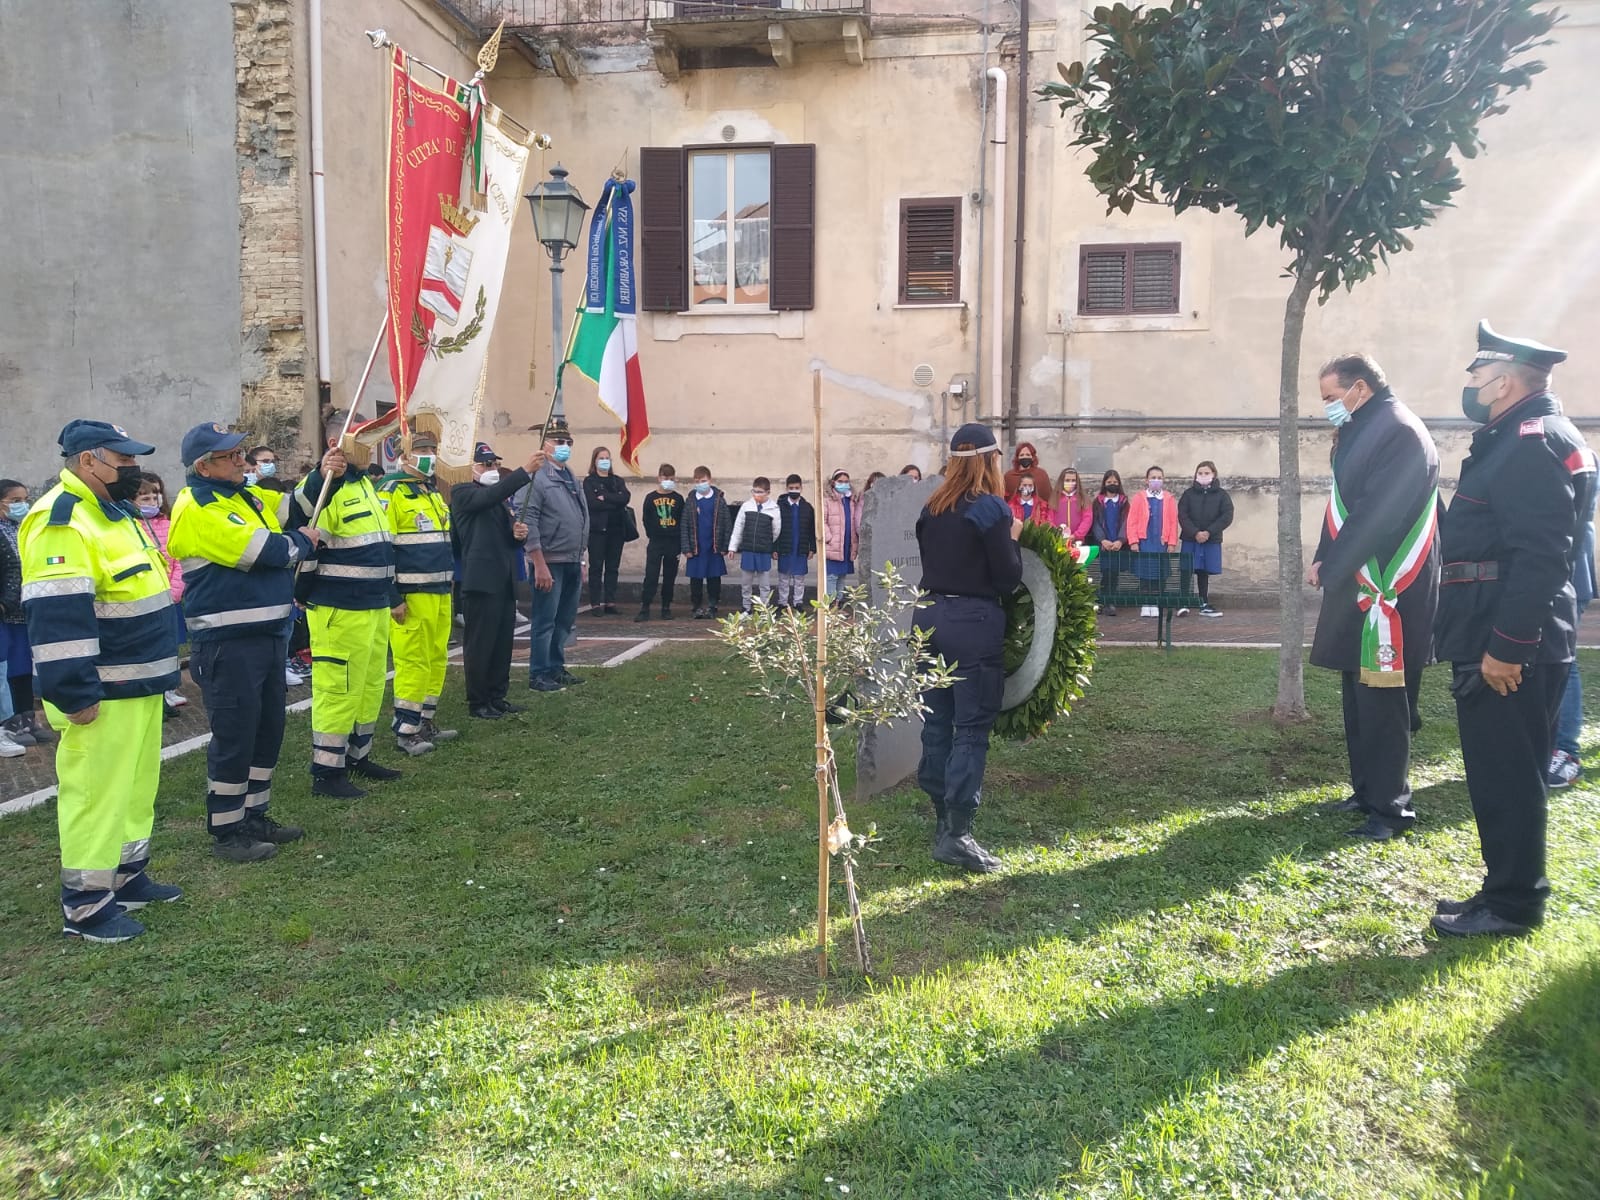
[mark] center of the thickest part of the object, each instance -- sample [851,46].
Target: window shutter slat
[930,251]
[794,203]
[1155,280]
[663,229]
[1104,282]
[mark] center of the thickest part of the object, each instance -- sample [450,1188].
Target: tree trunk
[1291,703]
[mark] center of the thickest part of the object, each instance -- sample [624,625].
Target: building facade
[820,187]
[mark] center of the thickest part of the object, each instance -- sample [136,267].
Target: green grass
[569,956]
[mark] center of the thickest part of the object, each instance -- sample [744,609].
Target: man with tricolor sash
[1508,616]
[1377,563]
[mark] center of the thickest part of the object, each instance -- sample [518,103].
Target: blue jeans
[970,633]
[6,711]
[552,616]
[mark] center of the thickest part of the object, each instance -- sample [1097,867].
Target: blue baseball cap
[484,453]
[78,436]
[208,438]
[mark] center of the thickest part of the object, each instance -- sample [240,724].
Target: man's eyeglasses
[233,456]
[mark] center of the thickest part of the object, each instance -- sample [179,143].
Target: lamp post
[558,224]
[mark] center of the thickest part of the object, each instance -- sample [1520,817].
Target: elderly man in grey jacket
[558,532]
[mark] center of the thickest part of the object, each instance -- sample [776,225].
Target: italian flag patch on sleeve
[55,560]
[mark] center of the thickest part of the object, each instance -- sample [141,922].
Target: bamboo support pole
[820,688]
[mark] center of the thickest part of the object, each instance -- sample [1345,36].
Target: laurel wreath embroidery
[457,343]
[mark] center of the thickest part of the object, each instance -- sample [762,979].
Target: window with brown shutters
[733,225]
[1128,279]
[930,251]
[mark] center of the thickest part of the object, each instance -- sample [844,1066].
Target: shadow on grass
[1530,1103]
[1021,1121]
[1001,914]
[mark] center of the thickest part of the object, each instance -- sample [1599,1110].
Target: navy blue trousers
[969,631]
[241,680]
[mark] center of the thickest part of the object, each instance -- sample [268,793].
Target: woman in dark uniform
[970,559]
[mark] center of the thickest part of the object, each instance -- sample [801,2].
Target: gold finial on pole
[490,53]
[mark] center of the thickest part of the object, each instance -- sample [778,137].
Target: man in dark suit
[1378,565]
[487,541]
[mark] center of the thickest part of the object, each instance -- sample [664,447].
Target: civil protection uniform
[239,567]
[1379,559]
[424,569]
[348,589]
[100,621]
[1510,538]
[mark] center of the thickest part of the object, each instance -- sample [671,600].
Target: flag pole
[366,374]
[820,688]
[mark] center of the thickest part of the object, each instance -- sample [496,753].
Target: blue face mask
[703,489]
[669,485]
[562,453]
[249,479]
[267,469]
[842,488]
[603,464]
[1337,412]
[149,510]
[17,509]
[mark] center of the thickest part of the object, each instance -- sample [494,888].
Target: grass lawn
[568,956]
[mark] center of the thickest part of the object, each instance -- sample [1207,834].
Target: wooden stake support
[820,688]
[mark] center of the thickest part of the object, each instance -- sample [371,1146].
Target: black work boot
[264,829]
[957,849]
[942,824]
[368,769]
[241,847]
[336,786]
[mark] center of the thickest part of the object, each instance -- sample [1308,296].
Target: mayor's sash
[1378,590]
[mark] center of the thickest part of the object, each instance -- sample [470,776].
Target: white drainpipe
[319,208]
[997,212]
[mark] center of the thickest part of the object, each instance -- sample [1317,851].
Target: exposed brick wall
[272,242]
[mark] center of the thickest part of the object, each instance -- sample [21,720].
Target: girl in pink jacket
[1074,510]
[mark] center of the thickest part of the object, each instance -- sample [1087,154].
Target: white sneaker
[1182,612]
[1564,770]
[9,748]
[177,699]
[293,678]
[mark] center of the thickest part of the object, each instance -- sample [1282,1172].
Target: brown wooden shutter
[930,251]
[663,229]
[1155,279]
[794,208]
[1115,280]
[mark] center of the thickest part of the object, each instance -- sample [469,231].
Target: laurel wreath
[457,343]
[1071,656]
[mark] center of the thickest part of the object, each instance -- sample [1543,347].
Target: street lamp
[558,224]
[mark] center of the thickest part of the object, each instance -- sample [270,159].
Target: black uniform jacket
[1527,489]
[480,529]
[1387,469]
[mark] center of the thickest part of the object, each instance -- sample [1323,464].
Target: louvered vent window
[1123,280]
[930,251]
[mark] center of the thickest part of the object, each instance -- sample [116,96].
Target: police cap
[78,436]
[484,453]
[1492,347]
[208,438]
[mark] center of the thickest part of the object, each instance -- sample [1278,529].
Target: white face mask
[490,477]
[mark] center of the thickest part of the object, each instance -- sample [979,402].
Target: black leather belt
[1470,572]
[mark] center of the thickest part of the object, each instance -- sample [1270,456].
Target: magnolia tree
[870,672]
[1335,122]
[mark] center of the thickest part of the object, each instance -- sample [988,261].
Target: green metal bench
[1162,581]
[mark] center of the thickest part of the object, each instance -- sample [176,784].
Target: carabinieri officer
[105,648]
[1508,616]
[970,559]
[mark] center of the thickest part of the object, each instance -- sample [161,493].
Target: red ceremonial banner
[429,132]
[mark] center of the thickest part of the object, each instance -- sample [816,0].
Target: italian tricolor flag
[1378,588]
[604,346]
